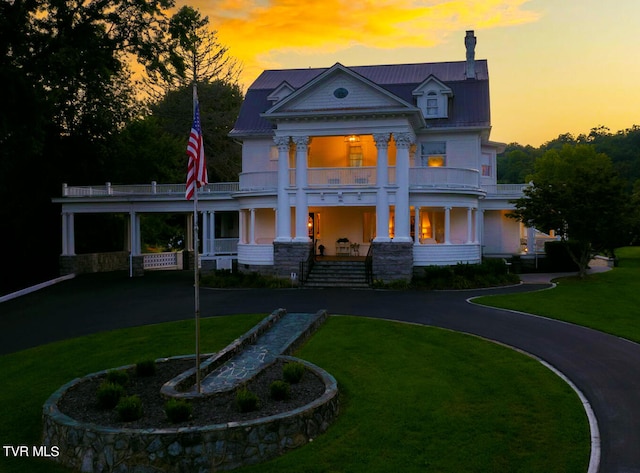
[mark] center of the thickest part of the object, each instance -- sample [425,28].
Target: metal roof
[468,107]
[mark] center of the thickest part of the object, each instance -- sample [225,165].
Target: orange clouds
[259,32]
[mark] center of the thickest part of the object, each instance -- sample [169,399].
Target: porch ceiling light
[352,139]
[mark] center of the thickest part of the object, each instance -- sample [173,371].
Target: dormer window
[432,104]
[432,97]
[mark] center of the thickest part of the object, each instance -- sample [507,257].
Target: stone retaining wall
[94,449]
[100,262]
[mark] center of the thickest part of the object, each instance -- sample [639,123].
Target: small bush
[177,410]
[129,408]
[246,400]
[145,368]
[109,394]
[120,377]
[293,372]
[279,390]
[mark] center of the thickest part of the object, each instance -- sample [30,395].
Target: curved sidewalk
[603,367]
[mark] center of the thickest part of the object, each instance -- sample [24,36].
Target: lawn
[413,399]
[608,301]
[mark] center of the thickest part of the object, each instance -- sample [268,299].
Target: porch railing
[223,246]
[144,189]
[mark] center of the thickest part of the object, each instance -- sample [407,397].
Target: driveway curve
[603,367]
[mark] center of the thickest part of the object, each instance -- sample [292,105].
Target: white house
[392,161]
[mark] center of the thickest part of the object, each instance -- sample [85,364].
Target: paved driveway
[605,368]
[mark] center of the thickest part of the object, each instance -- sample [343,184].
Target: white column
[188,244]
[212,233]
[252,227]
[402,210]
[531,240]
[382,178]
[480,227]
[478,223]
[469,225]
[447,225]
[302,209]
[134,227]
[417,228]
[241,216]
[283,213]
[205,233]
[68,234]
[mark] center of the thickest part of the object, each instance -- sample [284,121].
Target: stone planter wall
[91,448]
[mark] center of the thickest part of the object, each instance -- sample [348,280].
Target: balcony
[419,178]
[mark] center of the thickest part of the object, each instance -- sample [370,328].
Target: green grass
[413,399]
[604,301]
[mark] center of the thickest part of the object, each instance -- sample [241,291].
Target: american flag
[197,167]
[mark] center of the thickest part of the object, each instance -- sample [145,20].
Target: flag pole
[196,269]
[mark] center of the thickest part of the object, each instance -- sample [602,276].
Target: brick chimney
[470,45]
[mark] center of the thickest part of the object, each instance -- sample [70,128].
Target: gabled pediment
[432,97]
[280,92]
[338,89]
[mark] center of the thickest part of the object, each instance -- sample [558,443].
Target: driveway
[603,367]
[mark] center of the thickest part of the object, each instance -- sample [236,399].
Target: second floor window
[434,154]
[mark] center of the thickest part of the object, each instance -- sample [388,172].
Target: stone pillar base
[392,261]
[287,257]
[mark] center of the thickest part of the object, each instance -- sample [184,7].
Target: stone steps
[337,274]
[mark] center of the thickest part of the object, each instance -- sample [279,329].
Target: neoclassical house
[392,161]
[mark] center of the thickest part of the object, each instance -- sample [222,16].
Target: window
[434,153]
[355,151]
[486,165]
[432,104]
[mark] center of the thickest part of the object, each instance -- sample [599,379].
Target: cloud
[259,31]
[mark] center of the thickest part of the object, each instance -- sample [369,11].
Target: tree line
[585,188]
[72,111]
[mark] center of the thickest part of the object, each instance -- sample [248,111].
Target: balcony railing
[505,190]
[144,189]
[353,176]
[439,177]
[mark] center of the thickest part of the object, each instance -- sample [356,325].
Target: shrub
[279,390]
[177,410]
[109,394]
[293,372]
[246,400]
[145,368]
[129,408]
[120,377]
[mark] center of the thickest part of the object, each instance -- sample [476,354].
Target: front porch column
[212,232]
[382,179]
[241,227]
[469,225]
[188,239]
[205,233]
[402,210]
[283,213]
[476,238]
[302,209]
[252,227]
[531,240]
[447,225]
[480,228]
[68,234]
[135,246]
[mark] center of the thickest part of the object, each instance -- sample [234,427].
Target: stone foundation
[90,448]
[392,261]
[287,257]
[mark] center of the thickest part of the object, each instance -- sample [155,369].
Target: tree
[196,56]
[66,91]
[576,192]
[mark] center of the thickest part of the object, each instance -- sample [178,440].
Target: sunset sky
[556,66]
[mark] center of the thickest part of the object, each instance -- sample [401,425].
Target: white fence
[162,261]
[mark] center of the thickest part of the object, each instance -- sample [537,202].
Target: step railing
[368,266]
